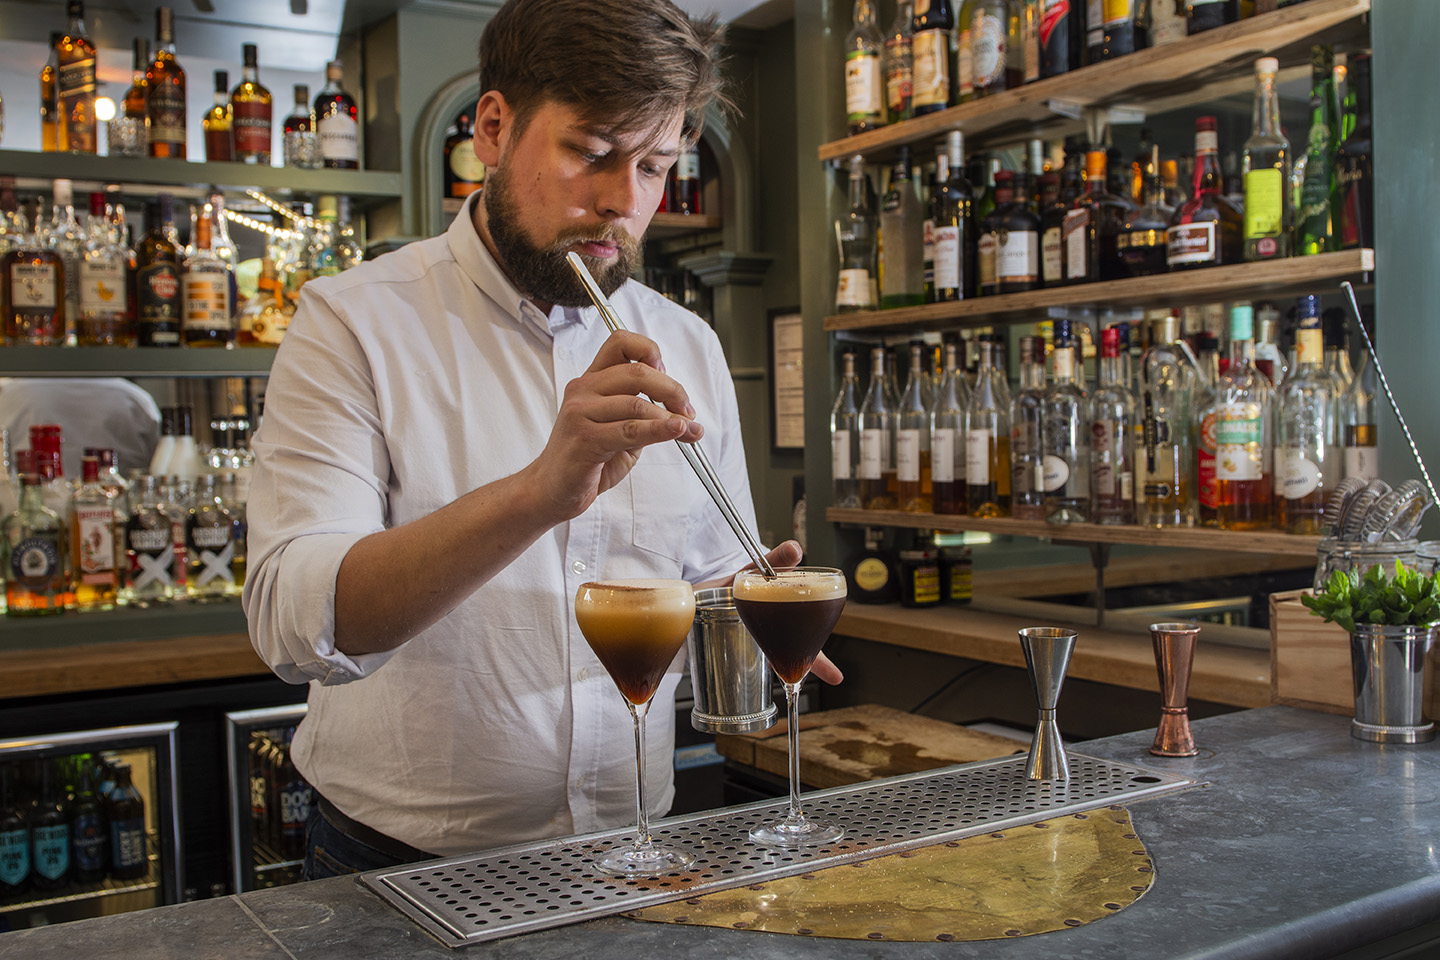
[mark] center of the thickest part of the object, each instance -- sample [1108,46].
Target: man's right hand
[604,424]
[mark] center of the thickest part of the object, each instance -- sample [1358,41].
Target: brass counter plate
[1037,878]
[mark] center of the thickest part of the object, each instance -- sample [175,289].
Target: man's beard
[542,272]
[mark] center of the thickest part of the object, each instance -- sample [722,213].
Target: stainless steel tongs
[692,452]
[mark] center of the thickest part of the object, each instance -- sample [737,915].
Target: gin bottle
[149,547]
[104,283]
[845,438]
[1306,468]
[877,425]
[947,437]
[1027,434]
[92,541]
[1112,428]
[1243,442]
[902,230]
[1067,448]
[1167,416]
[987,436]
[209,543]
[857,229]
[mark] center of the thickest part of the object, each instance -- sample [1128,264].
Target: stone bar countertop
[1302,843]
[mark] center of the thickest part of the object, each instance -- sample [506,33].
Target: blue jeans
[332,852]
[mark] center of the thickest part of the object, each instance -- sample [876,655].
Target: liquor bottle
[1306,465]
[295,799]
[34,291]
[337,124]
[1268,204]
[218,123]
[129,134]
[165,92]
[1142,167]
[899,63]
[207,314]
[1022,45]
[252,108]
[685,181]
[1358,418]
[912,441]
[1167,419]
[1202,15]
[157,277]
[1242,432]
[1170,171]
[864,105]
[1140,245]
[1067,444]
[877,427]
[987,436]
[50,830]
[952,229]
[1353,164]
[323,253]
[1061,27]
[856,285]
[66,237]
[464,173]
[50,119]
[989,37]
[1316,212]
[88,829]
[1091,228]
[32,554]
[125,809]
[1207,230]
[987,242]
[845,437]
[1337,353]
[149,547]
[1052,218]
[1206,412]
[349,251]
[1112,438]
[902,227]
[964,82]
[1114,28]
[1027,434]
[298,146]
[209,543]
[934,53]
[75,84]
[14,834]
[1167,22]
[1017,241]
[96,581]
[947,437]
[875,575]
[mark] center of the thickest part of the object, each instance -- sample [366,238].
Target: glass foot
[790,833]
[651,861]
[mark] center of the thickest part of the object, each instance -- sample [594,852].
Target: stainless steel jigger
[1047,656]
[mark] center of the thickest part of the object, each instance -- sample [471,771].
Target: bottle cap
[64,193]
[1032,349]
[1110,342]
[334,70]
[1307,312]
[222,81]
[97,203]
[251,54]
[25,463]
[302,94]
[1242,322]
[1267,65]
[89,469]
[1095,161]
[1062,333]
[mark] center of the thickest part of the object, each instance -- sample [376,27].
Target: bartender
[453,443]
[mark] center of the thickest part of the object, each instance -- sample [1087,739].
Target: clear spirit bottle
[1361,432]
[1168,377]
[912,441]
[1112,443]
[1243,444]
[33,278]
[857,229]
[209,543]
[947,437]
[1027,434]
[877,426]
[150,571]
[864,89]
[1306,465]
[987,436]
[104,283]
[903,284]
[899,62]
[67,238]
[1067,448]
[845,437]
[1265,165]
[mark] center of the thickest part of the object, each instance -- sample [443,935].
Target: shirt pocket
[662,492]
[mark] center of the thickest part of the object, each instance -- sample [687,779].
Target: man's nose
[620,193]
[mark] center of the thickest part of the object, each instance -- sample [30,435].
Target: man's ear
[493,119]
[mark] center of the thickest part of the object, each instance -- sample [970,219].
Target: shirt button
[578,566]
[583,675]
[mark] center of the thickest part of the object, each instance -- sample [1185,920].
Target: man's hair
[621,64]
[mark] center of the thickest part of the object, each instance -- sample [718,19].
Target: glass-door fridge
[89,824]
[269,800]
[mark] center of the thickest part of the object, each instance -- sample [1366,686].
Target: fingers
[825,669]
[785,556]
[630,363]
[625,347]
[625,422]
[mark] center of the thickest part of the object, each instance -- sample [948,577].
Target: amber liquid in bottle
[251,108]
[165,92]
[992,499]
[75,87]
[50,100]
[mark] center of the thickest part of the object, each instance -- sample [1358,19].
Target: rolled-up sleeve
[320,485]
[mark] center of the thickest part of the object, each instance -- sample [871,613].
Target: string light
[279,233]
[278,208]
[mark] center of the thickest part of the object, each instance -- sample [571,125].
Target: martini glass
[636,627]
[791,616]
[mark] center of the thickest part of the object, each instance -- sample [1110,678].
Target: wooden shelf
[1273,278]
[1192,538]
[1161,78]
[135,362]
[664,225]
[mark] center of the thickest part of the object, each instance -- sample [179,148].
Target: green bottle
[1319,200]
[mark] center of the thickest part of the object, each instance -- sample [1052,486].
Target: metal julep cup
[729,674]
[1389,665]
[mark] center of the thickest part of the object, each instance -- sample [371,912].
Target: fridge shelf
[97,890]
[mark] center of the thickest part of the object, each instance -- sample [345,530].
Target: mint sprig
[1408,599]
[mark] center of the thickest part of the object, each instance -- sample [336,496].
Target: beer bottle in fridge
[129,854]
[14,834]
[50,831]
[87,824]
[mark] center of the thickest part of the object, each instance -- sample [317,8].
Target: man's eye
[651,169]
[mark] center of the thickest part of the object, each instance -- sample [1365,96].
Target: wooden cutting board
[867,742]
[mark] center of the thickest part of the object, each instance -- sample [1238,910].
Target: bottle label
[1051,262]
[152,560]
[1095,22]
[212,555]
[1362,462]
[1030,37]
[127,843]
[1309,346]
[926,584]
[1127,485]
[862,85]
[853,289]
[985,259]
[899,76]
[1264,204]
[1205,463]
[1206,141]
[1295,476]
[1075,229]
[977,456]
[102,287]
[207,301]
[942,455]
[872,574]
[1103,454]
[1238,436]
[1191,243]
[76,78]
[1064,363]
[1119,12]
[840,466]
[14,857]
[1055,473]
[34,286]
[927,252]
[165,105]
[1352,182]
[947,258]
[907,456]
[1055,13]
[932,68]
[88,831]
[1017,256]
[987,49]
[251,126]
[52,851]
[95,531]
[295,800]
[964,65]
[35,564]
[339,137]
[872,454]
[464,165]
[158,292]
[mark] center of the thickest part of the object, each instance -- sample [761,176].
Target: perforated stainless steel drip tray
[520,889]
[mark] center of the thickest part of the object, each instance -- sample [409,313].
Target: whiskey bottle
[157,278]
[50,119]
[947,437]
[1067,446]
[1052,217]
[856,286]
[899,63]
[165,92]
[1269,208]
[845,437]
[32,553]
[75,85]
[1359,424]
[1167,420]
[864,106]
[129,134]
[1027,434]
[464,173]
[149,547]
[218,123]
[1017,241]
[987,243]
[105,318]
[34,290]
[337,124]
[934,55]
[902,229]
[912,440]
[952,231]
[298,146]
[1318,207]
[1112,439]
[1092,226]
[684,195]
[1243,446]
[1353,164]
[209,543]
[1140,246]
[1206,230]
[987,436]
[877,427]
[252,108]
[207,317]
[95,576]
[1306,467]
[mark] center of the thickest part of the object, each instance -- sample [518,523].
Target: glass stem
[792,706]
[642,809]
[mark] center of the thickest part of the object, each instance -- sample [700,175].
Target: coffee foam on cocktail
[790,586]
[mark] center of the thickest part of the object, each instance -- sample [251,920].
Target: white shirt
[92,412]
[402,385]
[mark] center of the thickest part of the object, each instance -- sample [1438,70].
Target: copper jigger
[1174,653]
[1047,655]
